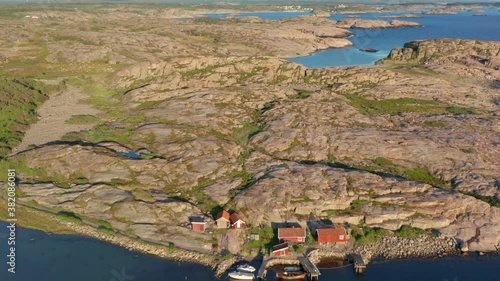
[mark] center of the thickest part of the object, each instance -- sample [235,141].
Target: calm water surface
[485,268]
[73,258]
[463,25]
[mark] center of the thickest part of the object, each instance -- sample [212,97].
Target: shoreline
[388,248]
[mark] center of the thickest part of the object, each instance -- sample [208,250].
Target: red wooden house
[280,250]
[332,235]
[236,221]
[222,219]
[295,235]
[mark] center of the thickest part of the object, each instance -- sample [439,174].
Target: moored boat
[291,275]
[245,268]
[238,275]
[291,268]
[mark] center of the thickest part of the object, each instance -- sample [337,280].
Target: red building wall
[281,253]
[293,240]
[197,227]
[331,239]
[235,225]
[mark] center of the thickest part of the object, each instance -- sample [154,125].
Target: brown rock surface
[219,120]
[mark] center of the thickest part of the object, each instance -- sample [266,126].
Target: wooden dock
[311,269]
[261,274]
[359,264]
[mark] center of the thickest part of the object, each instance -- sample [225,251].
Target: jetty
[359,264]
[261,274]
[311,269]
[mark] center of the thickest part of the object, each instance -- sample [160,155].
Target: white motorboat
[238,275]
[245,268]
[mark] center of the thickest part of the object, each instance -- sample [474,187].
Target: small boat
[292,275]
[238,275]
[291,268]
[369,50]
[245,268]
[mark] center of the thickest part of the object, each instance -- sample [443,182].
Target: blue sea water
[463,25]
[74,258]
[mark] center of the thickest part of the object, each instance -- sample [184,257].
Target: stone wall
[398,247]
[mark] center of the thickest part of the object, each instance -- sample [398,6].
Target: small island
[369,50]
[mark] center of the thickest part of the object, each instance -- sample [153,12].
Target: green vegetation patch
[401,105]
[198,71]
[21,167]
[355,208]
[18,103]
[407,231]
[266,239]
[301,94]
[82,119]
[366,235]
[423,175]
[433,124]
[492,200]
[69,216]
[243,134]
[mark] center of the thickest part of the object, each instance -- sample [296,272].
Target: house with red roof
[292,234]
[236,221]
[223,219]
[337,235]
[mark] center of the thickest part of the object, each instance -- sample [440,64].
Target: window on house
[341,237]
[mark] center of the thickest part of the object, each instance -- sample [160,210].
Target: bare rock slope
[217,120]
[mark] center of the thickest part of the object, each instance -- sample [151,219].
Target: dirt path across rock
[53,114]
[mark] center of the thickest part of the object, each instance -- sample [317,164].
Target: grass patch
[423,175]
[407,231]
[401,105]
[492,200]
[69,216]
[266,238]
[21,168]
[142,195]
[18,103]
[195,72]
[106,230]
[301,94]
[105,132]
[82,119]
[383,162]
[37,220]
[366,235]
[461,110]
[243,134]
[355,208]
[433,124]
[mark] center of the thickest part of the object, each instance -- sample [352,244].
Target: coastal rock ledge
[398,248]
